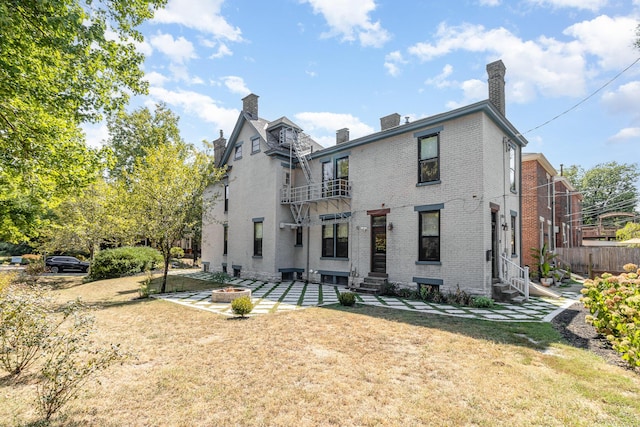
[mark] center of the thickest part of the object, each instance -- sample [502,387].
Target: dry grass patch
[364,366]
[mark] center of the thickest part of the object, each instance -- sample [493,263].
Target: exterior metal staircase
[300,146]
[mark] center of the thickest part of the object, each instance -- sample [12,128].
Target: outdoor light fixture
[390,226]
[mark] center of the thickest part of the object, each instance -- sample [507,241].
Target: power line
[583,100]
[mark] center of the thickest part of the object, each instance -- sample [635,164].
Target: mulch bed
[577,332]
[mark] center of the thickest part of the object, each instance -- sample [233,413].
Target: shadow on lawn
[533,335]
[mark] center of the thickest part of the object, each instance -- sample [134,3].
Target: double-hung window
[299,236]
[514,251]
[257,237]
[238,152]
[335,240]
[429,158]
[255,145]
[225,246]
[512,168]
[429,243]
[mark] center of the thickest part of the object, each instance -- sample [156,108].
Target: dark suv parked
[65,263]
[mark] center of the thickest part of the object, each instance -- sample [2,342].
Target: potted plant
[543,258]
[546,278]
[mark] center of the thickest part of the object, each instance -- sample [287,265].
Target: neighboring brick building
[551,208]
[568,214]
[434,201]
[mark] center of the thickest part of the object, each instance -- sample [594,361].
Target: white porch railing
[515,276]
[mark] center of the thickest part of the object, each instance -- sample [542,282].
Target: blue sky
[329,64]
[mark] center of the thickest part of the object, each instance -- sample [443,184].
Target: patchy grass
[362,365]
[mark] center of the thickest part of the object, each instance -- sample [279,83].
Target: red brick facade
[543,193]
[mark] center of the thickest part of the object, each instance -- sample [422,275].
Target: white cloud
[96,134]
[626,134]
[351,21]
[223,50]
[156,79]
[544,66]
[178,50]
[323,126]
[592,5]
[623,100]
[440,80]
[610,39]
[236,85]
[473,90]
[181,73]
[490,3]
[198,104]
[202,15]
[392,62]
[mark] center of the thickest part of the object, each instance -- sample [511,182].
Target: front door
[379,245]
[494,245]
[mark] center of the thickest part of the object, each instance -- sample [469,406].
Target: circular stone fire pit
[229,294]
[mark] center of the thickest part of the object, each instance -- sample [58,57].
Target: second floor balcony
[331,189]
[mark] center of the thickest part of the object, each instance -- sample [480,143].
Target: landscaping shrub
[25,324]
[614,303]
[389,289]
[347,298]
[71,358]
[242,305]
[482,302]
[431,293]
[220,277]
[125,261]
[176,252]
[55,342]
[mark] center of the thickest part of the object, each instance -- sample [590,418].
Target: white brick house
[434,201]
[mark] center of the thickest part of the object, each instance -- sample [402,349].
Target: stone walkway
[296,295]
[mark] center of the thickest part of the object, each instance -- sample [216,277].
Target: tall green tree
[606,187]
[95,216]
[62,63]
[166,187]
[131,134]
[630,231]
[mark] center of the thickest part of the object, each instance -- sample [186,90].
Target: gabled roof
[262,128]
[282,121]
[540,158]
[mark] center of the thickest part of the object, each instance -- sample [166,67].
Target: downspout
[552,238]
[308,246]
[520,213]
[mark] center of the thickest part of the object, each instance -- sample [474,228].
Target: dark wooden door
[379,244]
[494,245]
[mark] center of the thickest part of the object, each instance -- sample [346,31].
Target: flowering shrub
[614,303]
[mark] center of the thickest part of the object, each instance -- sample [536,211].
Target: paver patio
[296,295]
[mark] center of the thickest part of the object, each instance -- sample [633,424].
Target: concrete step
[367,290]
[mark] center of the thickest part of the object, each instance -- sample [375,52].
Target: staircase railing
[515,276]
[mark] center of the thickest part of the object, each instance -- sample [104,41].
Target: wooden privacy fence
[602,259]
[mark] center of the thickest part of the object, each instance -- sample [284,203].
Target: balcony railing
[332,189]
